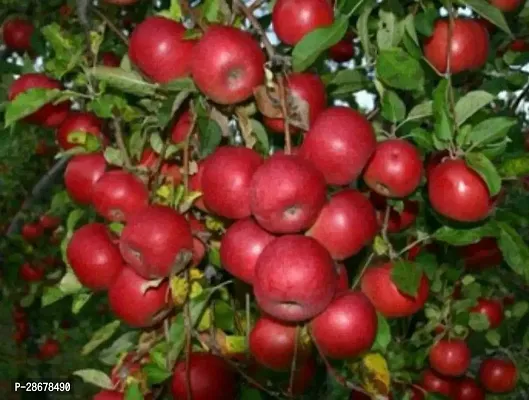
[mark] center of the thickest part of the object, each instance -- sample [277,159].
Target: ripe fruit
[344,50]
[497,375]
[226,181]
[119,194]
[387,298]
[492,309]
[195,184]
[134,301]
[158,48]
[121,2]
[339,144]
[272,343]
[293,19]
[297,197]
[109,59]
[31,273]
[347,327]
[346,224]
[506,5]
[343,279]
[227,64]
[50,222]
[180,129]
[241,246]
[208,374]
[109,395]
[169,172]
[450,357]
[17,34]
[81,174]
[458,192]
[32,231]
[307,87]
[519,45]
[294,285]
[469,45]
[395,170]
[93,256]
[432,382]
[154,241]
[467,389]
[70,133]
[481,255]
[303,377]
[49,349]
[397,221]
[49,115]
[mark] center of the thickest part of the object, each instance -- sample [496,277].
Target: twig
[121,143]
[284,110]
[293,364]
[385,232]
[412,245]
[372,114]
[111,25]
[361,272]
[519,98]
[247,308]
[188,10]
[186,149]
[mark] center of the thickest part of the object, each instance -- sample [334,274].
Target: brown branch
[372,114]
[293,364]
[412,245]
[385,232]
[361,272]
[121,143]
[188,10]
[284,110]
[111,25]
[256,4]
[186,149]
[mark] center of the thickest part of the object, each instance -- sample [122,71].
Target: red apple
[169,171]
[49,222]
[273,344]
[293,19]
[154,241]
[135,301]
[121,2]
[344,50]
[307,87]
[49,349]
[498,376]
[81,174]
[467,389]
[387,298]
[469,45]
[181,128]
[31,273]
[17,33]
[297,197]
[435,383]
[395,169]
[343,279]
[492,309]
[450,357]
[294,285]
[119,194]
[109,395]
[109,59]
[227,64]
[458,192]
[347,327]
[506,5]
[346,224]
[226,181]
[241,246]
[303,377]
[159,49]
[195,184]
[208,375]
[519,45]
[94,258]
[32,231]
[49,115]
[70,132]
[481,255]
[397,221]
[339,144]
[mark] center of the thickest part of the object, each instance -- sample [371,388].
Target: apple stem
[121,143]
[384,232]
[361,272]
[284,111]
[112,27]
[412,245]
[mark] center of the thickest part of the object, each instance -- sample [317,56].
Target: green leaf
[73,218]
[316,42]
[128,82]
[398,69]
[424,21]
[408,24]
[156,142]
[407,276]
[174,12]
[100,336]
[155,374]
[515,251]
[489,12]
[383,338]
[393,108]
[133,392]
[95,377]
[114,156]
[50,295]
[471,103]
[211,10]
[493,337]
[519,309]
[428,263]
[443,123]
[489,131]
[260,134]
[486,169]
[28,102]
[422,138]
[515,167]
[210,135]
[478,322]
[463,237]
[121,345]
[179,85]
[363,31]
[346,81]
[422,110]
[79,301]
[389,32]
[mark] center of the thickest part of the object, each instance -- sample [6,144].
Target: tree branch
[121,143]
[519,98]
[111,25]
[284,110]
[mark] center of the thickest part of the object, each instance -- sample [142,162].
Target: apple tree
[306,199]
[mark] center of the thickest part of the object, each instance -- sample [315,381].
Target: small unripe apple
[135,301]
[227,64]
[32,231]
[298,194]
[49,349]
[294,285]
[50,222]
[81,174]
[344,50]
[78,123]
